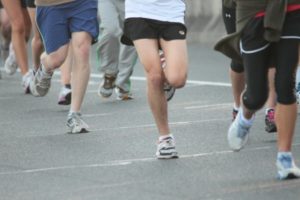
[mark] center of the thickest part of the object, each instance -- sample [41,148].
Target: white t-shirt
[162,10]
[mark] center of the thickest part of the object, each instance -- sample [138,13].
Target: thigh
[53,26]
[14,10]
[147,50]
[176,56]
[83,18]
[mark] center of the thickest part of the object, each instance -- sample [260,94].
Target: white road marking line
[129,161]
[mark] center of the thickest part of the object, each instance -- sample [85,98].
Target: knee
[155,80]
[18,27]
[254,102]
[54,60]
[37,42]
[177,80]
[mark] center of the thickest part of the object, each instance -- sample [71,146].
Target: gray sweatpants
[115,58]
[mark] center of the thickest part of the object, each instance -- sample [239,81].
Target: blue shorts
[57,23]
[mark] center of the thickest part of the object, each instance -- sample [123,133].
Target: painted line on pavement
[128,161]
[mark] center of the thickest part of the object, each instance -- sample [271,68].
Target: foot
[64,97]
[76,124]
[286,167]
[106,87]
[123,95]
[270,121]
[166,148]
[26,79]
[11,64]
[41,82]
[238,134]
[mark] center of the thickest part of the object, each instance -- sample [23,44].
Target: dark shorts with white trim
[141,28]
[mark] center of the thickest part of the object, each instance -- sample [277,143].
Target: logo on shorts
[227,15]
[181,32]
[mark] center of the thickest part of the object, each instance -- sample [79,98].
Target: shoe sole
[167,156]
[288,177]
[272,129]
[78,132]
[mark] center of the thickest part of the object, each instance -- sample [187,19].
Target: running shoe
[238,134]
[286,167]
[122,94]
[106,87]
[76,124]
[26,79]
[168,89]
[4,52]
[166,149]
[270,121]
[64,96]
[298,93]
[41,82]
[234,114]
[11,64]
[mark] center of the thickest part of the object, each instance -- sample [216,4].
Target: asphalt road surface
[115,161]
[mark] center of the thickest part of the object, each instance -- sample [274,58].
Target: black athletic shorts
[141,28]
[30,3]
[252,36]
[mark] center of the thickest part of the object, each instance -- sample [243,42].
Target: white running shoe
[238,134]
[123,95]
[11,64]
[76,124]
[64,97]
[166,149]
[286,167]
[26,79]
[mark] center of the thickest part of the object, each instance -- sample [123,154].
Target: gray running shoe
[11,64]
[166,149]
[107,86]
[76,124]
[169,91]
[41,82]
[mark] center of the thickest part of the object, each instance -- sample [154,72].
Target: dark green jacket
[246,10]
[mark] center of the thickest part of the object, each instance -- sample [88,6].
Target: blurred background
[204,20]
